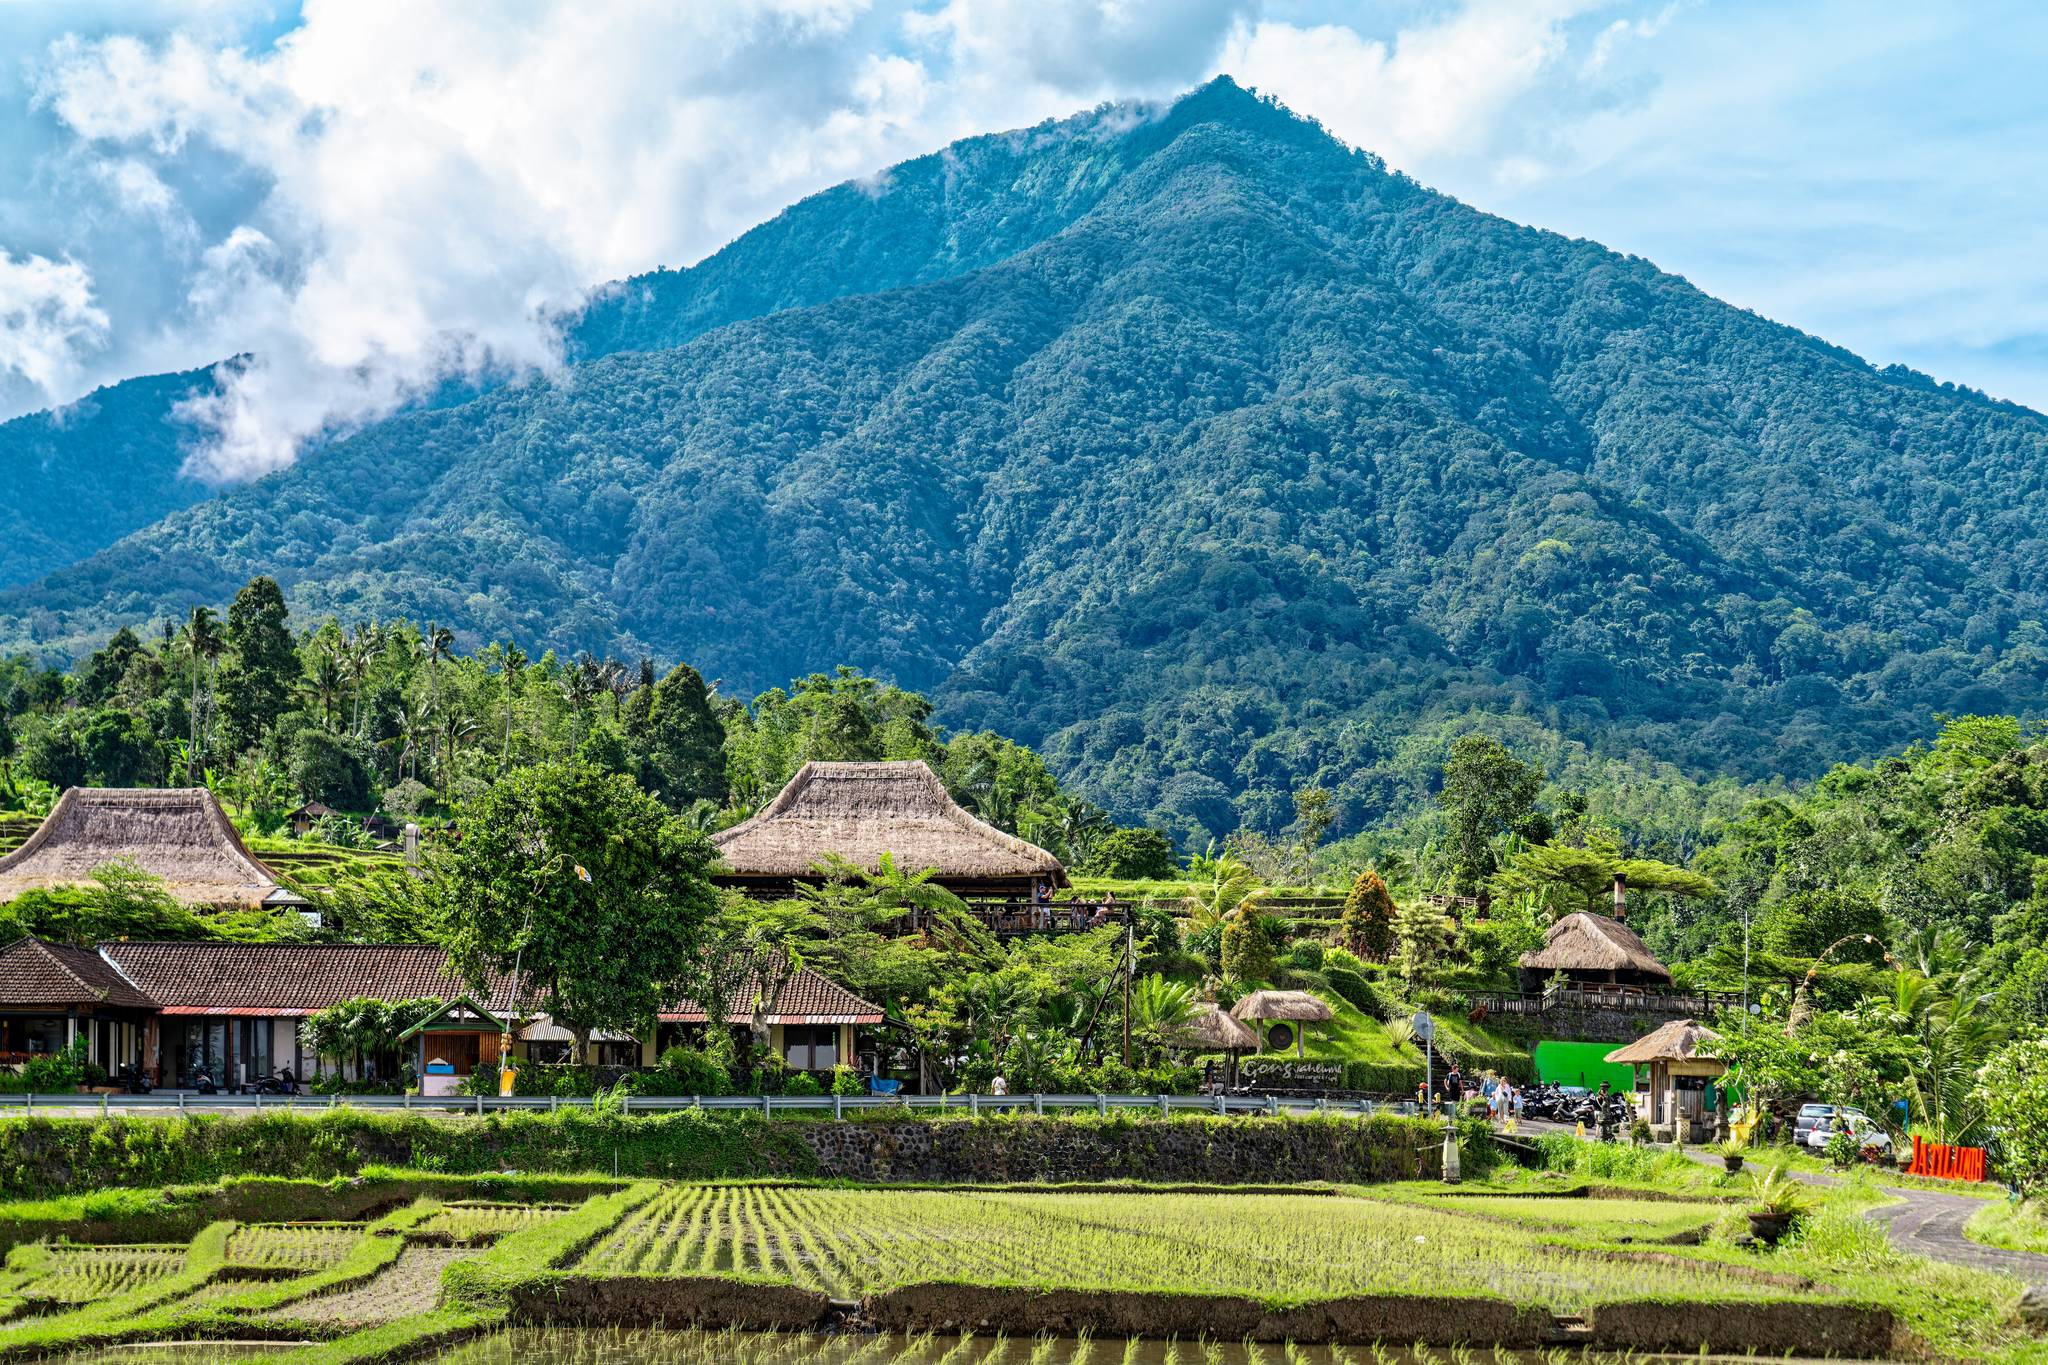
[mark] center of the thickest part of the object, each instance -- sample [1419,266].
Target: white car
[1867,1134]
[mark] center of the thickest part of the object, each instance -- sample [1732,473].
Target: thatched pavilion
[858,812]
[1595,953]
[180,835]
[1285,1012]
[1681,1077]
[1209,1029]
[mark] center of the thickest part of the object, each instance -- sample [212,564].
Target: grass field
[2016,1227]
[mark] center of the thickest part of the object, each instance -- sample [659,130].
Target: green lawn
[2016,1227]
[1354,1036]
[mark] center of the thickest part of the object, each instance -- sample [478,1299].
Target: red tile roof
[288,978]
[291,979]
[35,972]
[807,998]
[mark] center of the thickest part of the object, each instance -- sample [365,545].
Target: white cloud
[1454,87]
[48,322]
[389,194]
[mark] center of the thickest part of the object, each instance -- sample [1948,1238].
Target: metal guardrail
[766,1105]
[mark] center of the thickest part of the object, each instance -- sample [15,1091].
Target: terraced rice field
[76,1275]
[297,1247]
[1277,1248]
[1630,1220]
[653,1346]
[408,1286]
[476,1224]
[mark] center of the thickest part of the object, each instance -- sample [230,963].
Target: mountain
[1207,455]
[79,478]
[973,204]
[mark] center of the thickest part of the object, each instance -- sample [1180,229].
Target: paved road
[1930,1224]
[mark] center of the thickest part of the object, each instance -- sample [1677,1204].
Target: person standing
[1000,1086]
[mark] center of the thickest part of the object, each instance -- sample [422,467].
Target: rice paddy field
[417,1281]
[655,1346]
[79,1275]
[1276,1248]
[1621,1220]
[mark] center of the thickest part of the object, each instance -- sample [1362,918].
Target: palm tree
[415,727]
[454,729]
[579,685]
[355,665]
[325,683]
[1159,1008]
[203,645]
[1224,889]
[1955,1037]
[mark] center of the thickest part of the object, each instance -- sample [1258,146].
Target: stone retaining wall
[1227,1152]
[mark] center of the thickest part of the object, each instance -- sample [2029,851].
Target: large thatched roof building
[858,812]
[1593,951]
[180,835]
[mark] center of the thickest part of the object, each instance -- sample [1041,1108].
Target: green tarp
[1582,1064]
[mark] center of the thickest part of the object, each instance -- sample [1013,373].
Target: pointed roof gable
[1586,942]
[1677,1041]
[178,834]
[860,811]
[36,972]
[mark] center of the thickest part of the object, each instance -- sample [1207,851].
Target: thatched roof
[860,811]
[1210,1027]
[1677,1041]
[1593,943]
[1295,1005]
[181,835]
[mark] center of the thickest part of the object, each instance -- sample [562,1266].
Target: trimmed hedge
[43,1157]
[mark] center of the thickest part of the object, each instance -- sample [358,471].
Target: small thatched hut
[1681,1078]
[860,811]
[1593,952]
[1285,1012]
[180,835]
[1209,1029]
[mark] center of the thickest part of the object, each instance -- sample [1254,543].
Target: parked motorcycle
[283,1083]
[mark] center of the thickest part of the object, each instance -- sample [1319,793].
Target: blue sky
[370,197]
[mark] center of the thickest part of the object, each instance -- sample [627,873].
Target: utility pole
[1745,961]
[1130,965]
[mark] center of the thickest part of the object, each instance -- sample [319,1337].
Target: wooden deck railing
[1676,1003]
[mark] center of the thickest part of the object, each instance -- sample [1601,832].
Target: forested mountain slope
[1209,457]
[80,478]
[976,202]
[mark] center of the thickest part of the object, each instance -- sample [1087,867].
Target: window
[811,1047]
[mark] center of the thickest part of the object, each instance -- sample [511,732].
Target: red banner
[1938,1162]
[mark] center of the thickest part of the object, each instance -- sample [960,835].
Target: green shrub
[692,1071]
[1307,954]
[1364,995]
[847,1081]
[802,1083]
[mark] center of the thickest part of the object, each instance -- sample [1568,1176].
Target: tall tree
[265,671]
[1486,791]
[203,646]
[1368,923]
[685,742]
[588,886]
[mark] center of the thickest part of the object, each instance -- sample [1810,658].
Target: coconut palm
[1159,1007]
[203,645]
[1224,888]
[325,683]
